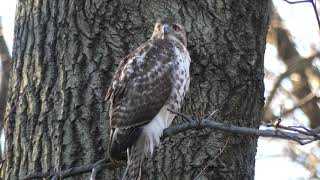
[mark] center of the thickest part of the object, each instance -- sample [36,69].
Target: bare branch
[298,134]
[290,133]
[181,114]
[276,133]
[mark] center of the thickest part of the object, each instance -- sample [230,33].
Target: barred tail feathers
[121,140]
[136,157]
[147,141]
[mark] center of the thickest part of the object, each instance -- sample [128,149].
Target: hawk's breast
[180,79]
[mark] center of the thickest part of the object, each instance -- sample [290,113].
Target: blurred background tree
[292,80]
[5,61]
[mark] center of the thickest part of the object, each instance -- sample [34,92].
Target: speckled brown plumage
[149,80]
[145,86]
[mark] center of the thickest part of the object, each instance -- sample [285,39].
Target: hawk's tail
[137,154]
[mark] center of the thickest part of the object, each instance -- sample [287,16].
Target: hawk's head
[168,27]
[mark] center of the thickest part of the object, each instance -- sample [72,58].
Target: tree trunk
[64,56]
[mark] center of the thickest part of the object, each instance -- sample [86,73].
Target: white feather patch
[154,130]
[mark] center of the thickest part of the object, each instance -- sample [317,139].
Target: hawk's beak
[165,30]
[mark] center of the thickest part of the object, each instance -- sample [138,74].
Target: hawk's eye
[176,28]
[158,27]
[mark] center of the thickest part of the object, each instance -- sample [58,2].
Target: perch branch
[301,136]
[298,134]
[291,134]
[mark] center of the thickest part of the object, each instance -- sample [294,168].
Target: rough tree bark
[65,53]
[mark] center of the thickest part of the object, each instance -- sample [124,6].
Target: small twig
[311,132]
[95,171]
[210,162]
[313,2]
[182,115]
[306,130]
[292,138]
[296,2]
[315,11]
[213,113]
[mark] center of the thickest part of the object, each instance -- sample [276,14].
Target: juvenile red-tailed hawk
[149,81]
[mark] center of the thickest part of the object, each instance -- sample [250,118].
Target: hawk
[150,80]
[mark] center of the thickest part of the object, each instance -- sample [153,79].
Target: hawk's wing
[141,85]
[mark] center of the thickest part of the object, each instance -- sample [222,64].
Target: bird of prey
[150,80]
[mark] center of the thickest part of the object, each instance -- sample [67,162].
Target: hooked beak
[165,30]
